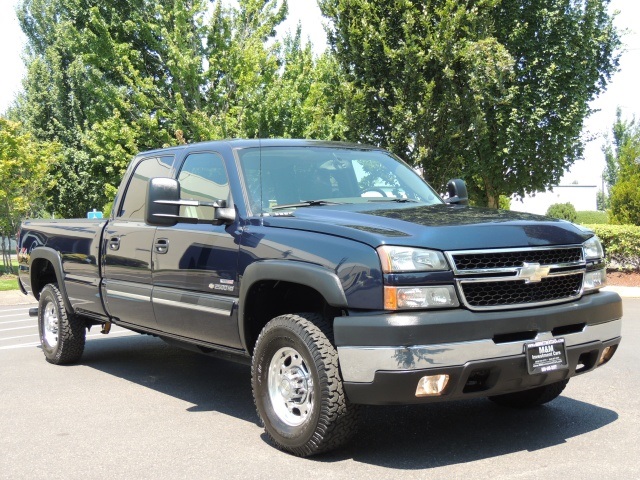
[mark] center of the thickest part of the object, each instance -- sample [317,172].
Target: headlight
[408,259]
[593,249]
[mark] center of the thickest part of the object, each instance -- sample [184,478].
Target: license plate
[546,356]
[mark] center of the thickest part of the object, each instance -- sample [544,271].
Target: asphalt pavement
[135,407]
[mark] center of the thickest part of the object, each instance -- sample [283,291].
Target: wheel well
[268,299]
[42,273]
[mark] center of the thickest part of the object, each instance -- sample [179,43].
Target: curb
[624,292]
[16,297]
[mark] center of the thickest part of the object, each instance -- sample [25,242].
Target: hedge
[621,244]
[589,217]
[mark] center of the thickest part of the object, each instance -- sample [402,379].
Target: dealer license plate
[546,356]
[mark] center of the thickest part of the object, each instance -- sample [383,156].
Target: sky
[623,91]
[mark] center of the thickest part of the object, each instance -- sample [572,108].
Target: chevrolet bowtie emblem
[533,272]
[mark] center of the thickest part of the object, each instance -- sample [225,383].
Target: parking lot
[137,408]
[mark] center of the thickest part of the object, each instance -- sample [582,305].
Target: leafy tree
[494,91]
[624,160]
[23,164]
[108,79]
[565,211]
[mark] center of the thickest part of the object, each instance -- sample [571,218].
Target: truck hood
[442,227]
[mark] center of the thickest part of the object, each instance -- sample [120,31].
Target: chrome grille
[518,278]
[516,258]
[491,294]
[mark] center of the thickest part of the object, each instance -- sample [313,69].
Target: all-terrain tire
[531,398]
[297,387]
[62,334]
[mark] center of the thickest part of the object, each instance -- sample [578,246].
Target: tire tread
[71,331]
[338,419]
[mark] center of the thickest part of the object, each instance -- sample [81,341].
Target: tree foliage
[109,79]
[494,91]
[623,168]
[23,164]
[564,211]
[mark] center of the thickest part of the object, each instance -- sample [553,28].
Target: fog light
[595,280]
[606,355]
[431,385]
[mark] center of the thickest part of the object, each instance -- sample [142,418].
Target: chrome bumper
[360,364]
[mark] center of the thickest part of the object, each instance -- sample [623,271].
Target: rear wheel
[531,398]
[297,386]
[62,334]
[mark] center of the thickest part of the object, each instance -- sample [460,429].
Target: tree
[107,79]
[23,164]
[565,211]
[494,91]
[623,170]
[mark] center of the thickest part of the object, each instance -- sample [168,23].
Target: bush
[564,211]
[588,217]
[621,244]
[625,201]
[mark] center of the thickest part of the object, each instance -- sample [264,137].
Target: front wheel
[297,386]
[62,334]
[531,398]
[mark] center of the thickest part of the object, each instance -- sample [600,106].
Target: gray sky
[622,92]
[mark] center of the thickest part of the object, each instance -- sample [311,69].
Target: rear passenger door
[127,248]
[195,266]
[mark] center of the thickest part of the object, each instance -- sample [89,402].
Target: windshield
[290,177]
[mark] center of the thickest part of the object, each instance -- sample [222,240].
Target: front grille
[517,292]
[518,278]
[510,259]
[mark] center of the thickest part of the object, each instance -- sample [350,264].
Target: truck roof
[268,142]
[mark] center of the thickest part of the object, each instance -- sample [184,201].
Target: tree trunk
[493,197]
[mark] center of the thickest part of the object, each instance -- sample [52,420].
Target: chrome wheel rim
[290,387]
[50,324]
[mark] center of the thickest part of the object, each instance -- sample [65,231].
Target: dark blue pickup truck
[337,273]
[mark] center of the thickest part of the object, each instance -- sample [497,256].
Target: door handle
[114,243]
[162,245]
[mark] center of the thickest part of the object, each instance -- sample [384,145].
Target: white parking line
[17,328]
[14,338]
[18,321]
[35,344]
[14,315]
[23,309]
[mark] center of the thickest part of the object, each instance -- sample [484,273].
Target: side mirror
[160,209]
[457,191]
[163,206]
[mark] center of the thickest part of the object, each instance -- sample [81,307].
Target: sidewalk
[16,297]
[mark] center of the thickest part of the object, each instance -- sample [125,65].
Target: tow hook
[106,328]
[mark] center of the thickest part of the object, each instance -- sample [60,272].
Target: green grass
[4,269]
[8,283]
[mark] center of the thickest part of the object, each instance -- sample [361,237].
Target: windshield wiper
[397,200]
[306,203]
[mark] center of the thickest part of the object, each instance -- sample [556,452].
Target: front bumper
[383,356]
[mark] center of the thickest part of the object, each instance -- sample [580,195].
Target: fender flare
[314,276]
[53,257]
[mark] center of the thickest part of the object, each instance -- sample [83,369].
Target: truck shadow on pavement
[400,437]
[209,383]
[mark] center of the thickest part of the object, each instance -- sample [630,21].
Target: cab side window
[132,206]
[203,177]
